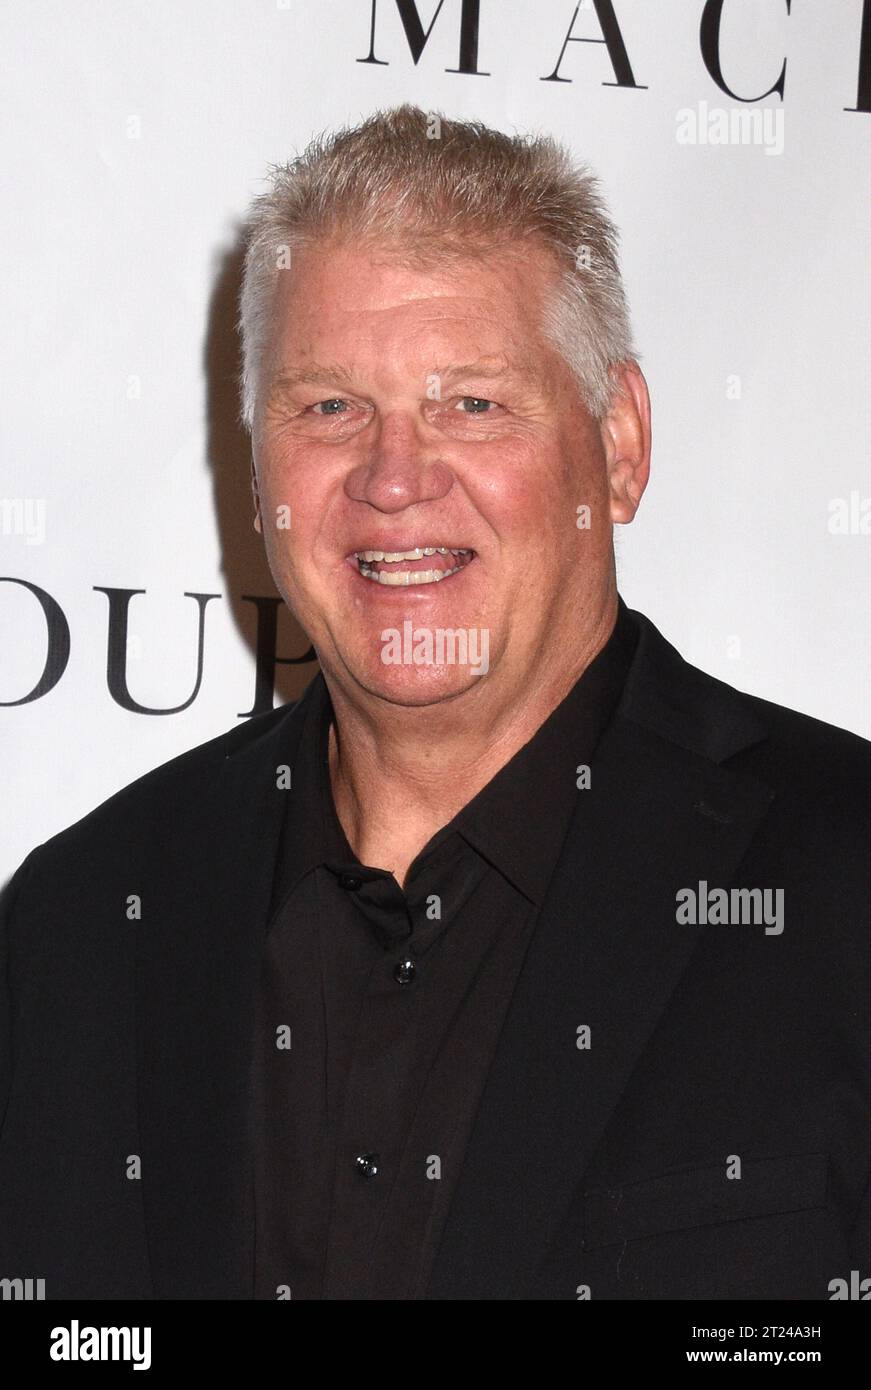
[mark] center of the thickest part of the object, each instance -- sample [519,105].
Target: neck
[399,773]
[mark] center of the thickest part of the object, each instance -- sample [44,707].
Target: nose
[400,469]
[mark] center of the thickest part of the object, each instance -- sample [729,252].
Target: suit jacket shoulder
[794,753]
[162,798]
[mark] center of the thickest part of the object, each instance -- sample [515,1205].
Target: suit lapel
[198,953]
[659,815]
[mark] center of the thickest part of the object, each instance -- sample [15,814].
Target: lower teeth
[397,578]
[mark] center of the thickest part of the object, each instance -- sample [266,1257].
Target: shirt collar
[518,821]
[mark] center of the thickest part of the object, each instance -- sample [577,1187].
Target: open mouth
[427,564]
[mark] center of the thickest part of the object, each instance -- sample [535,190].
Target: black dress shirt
[379,1009]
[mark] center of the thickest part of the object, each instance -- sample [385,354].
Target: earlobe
[626,491]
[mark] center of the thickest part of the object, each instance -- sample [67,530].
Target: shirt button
[404,972]
[367,1165]
[350,882]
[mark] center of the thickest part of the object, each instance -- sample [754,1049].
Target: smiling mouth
[393,568]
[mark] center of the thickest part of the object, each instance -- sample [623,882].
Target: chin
[416,685]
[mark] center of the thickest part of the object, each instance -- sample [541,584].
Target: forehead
[353,298]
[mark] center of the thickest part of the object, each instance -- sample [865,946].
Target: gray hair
[435,189]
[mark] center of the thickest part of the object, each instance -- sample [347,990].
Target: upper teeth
[416,554]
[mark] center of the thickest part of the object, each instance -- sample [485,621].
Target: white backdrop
[136,131]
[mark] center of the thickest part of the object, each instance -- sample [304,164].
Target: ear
[258,523]
[626,439]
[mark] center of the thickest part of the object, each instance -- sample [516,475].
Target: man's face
[409,409]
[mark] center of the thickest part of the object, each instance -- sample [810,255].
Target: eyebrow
[488,367]
[317,373]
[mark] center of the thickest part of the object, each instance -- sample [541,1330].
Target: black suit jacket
[608,1170]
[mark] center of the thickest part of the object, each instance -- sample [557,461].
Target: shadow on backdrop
[282,650]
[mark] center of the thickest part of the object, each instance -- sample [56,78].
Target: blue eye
[333,401]
[477,402]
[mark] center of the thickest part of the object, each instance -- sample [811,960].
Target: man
[518,959]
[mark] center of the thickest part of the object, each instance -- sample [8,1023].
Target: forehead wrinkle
[509,365]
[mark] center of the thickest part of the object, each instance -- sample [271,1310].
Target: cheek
[524,498]
[504,482]
[295,498]
[283,476]
[581,484]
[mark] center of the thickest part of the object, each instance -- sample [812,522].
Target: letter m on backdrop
[417,36]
